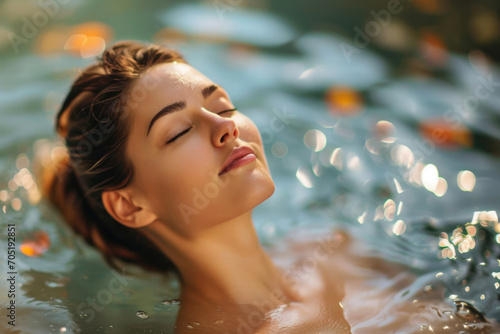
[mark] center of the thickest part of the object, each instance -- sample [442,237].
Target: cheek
[248,130]
[183,170]
[250,134]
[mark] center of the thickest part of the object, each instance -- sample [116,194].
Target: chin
[262,189]
[252,191]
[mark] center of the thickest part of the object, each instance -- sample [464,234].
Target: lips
[239,156]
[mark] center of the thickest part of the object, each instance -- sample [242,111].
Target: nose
[224,131]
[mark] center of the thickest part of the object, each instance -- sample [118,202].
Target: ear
[121,207]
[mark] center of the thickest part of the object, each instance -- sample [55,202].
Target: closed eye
[187,130]
[227,111]
[179,135]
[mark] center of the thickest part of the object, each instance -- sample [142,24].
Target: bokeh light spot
[343,100]
[430,177]
[336,158]
[445,134]
[16,204]
[36,244]
[303,178]
[441,187]
[389,209]
[466,180]
[279,149]
[315,140]
[399,227]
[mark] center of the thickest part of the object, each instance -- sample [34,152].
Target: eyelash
[185,131]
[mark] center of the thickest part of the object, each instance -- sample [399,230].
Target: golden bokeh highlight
[343,100]
[88,39]
[4,195]
[16,204]
[83,40]
[36,244]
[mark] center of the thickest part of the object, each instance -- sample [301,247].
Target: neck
[226,264]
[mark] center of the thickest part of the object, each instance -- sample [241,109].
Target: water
[355,147]
[142,314]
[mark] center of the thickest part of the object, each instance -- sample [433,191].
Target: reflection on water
[398,143]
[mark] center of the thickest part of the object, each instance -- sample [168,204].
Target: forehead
[162,85]
[171,76]
[159,86]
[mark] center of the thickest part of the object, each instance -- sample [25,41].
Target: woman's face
[182,132]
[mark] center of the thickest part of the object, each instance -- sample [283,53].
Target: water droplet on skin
[188,325]
[196,323]
[218,321]
[142,314]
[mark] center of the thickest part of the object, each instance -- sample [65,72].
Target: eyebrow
[180,105]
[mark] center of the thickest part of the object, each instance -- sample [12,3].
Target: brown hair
[93,121]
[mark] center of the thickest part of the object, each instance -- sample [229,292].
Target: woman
[163,171]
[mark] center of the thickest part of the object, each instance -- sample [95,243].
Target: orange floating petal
[343,100]
[445,134]
[432,48]
[35,245]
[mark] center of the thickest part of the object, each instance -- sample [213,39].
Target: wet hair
[94,122]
